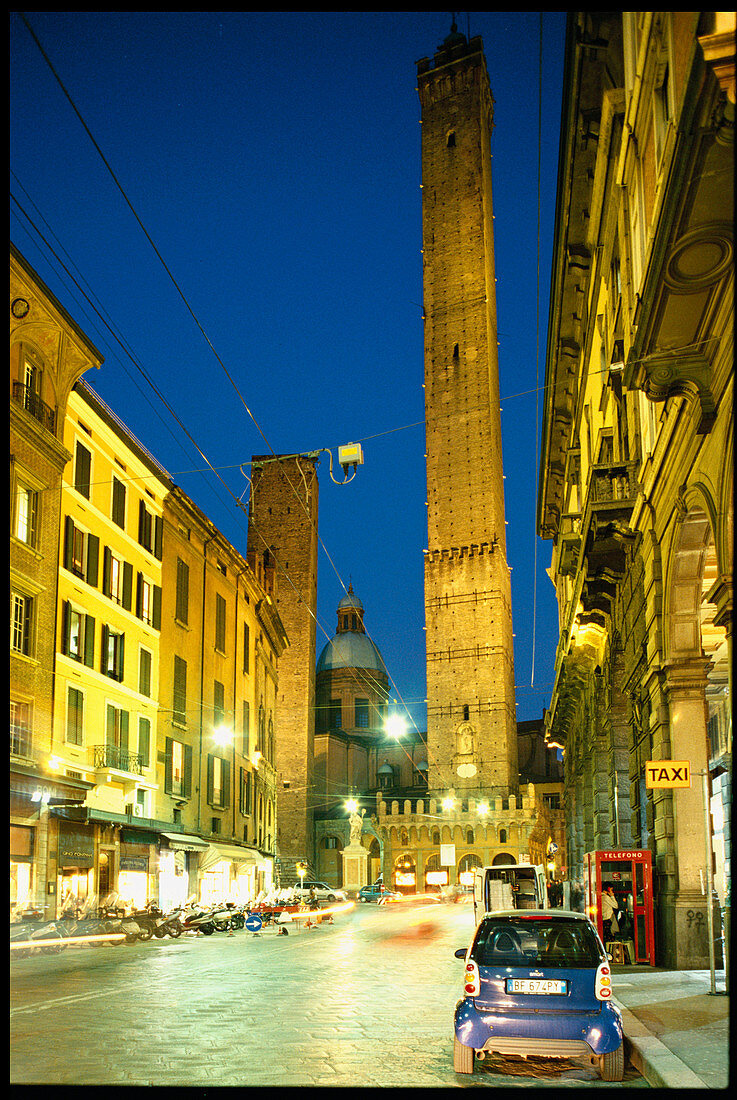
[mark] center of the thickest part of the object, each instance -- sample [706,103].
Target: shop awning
[186,843]
[229,853]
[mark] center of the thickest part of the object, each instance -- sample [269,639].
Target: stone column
[684,924]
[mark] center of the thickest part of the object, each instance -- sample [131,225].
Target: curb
[660,1067]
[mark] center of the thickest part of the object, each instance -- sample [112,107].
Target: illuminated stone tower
[472,739]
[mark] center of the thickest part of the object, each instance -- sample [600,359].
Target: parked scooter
[27,928]
[206,919]
[113,913]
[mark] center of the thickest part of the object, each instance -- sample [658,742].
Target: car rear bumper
[545,1034]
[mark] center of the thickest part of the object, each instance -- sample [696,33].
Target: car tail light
[471,980]
[603,986]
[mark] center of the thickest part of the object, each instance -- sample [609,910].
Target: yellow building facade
[107,664]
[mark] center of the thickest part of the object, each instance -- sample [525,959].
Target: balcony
[25,397]
[611,494]
[114,758]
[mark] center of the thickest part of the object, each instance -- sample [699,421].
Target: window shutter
[156,623]
[158,537]
[106,560]
[127,585]
[103,658]
[225,765]
[110,727]
[187,770]
[120,670]
[169,751]
[182,610]
[124,730]
[139,595]
[65,628]
[210,780]
[93,552]
[89,641]
[68,541]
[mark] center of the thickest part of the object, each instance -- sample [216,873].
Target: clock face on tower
[19,308]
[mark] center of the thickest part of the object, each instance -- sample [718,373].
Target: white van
[509,886]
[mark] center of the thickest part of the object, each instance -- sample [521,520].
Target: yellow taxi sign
[668,773]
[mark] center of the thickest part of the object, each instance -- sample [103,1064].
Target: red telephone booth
[630,874]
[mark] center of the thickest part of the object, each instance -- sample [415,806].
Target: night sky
[268,286]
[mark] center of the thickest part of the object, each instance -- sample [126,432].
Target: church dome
[350,649]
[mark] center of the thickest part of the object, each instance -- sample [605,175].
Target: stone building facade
[636,483]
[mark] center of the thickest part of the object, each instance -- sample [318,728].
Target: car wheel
[331,897]
[611,1065]
[462,1057]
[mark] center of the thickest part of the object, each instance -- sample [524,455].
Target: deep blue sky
[274,160]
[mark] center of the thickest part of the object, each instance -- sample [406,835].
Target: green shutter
[93,552]
[156,623]
[127,585]
[168,765]
[89,641]
[187,770]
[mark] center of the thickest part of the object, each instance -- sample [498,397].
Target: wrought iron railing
[23,395]
[112,756]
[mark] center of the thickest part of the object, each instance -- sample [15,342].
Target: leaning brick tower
[282,536]
[472,738]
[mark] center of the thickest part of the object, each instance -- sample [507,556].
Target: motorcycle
[28,928]
[114,915]
[206,919]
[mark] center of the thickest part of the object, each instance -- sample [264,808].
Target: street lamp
[222,736]
[395,726]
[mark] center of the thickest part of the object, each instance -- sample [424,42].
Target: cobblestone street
[367,1000]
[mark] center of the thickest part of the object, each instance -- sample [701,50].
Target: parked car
[538,982]
[323,892]
[376,892]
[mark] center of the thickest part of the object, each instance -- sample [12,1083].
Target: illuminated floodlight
[395,726]
[448,802]
[482,809]
[351,805]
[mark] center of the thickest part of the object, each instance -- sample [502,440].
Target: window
[21,622]
[335,715]
[26,512]
[218,704]
[178,769]
[148,601]
[179,695]
[246,647]
[75,716]
[219,623]
[20,728]
[118,508]
[144,741]
[113,650]
[144,672]
[246,732]
[82,470]
[246,796]
[150,530]
[182,605]
[81,552]
[362,713]
[77,634]
[116,578]
[218,777]
[116,733]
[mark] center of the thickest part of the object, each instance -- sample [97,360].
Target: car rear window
[516,941]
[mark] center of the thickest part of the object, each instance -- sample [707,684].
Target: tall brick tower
[282,548]
[472,739]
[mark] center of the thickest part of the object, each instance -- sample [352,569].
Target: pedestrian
[609,909]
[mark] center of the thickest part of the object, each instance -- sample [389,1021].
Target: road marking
[74,998]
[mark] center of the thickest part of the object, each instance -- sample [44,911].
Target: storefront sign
[76,849]
[447,855]
[668,773]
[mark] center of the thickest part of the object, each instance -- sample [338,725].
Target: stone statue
[356,821]
[465,739]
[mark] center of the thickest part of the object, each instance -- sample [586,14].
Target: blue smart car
[538,982]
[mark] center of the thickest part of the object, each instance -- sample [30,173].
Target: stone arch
[692,569]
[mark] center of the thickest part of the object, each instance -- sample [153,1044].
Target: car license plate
[537,985]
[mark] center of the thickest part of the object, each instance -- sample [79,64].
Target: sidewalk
[677,1032]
